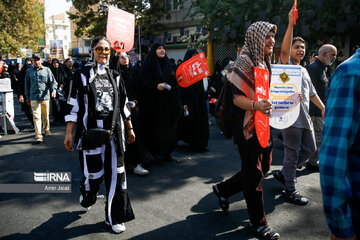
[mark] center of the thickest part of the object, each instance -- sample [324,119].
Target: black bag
[95,137]
[223,109]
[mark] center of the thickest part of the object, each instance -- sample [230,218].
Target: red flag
[213,100]
[2,63]
[262,124]
[192,70]
[295,12]
[120,29]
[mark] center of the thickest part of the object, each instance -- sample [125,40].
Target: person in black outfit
[97,93]
[159,104]
[193,126]
[21,91]
[69,68]
[15,76]
[320,74]
[48,61]
[59,103]
[136,153]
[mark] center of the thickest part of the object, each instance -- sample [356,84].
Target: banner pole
[139,43]
[210,55]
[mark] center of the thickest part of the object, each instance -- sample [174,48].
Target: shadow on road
[55,228]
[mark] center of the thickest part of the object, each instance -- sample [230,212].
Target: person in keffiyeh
[256,160]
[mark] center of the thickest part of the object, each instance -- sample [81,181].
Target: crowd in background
[163,113]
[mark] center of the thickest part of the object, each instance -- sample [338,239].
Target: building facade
[58,36]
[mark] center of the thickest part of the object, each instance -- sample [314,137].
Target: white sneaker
[80,200]
[117,228]
[139,170]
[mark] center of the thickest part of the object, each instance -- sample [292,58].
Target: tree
[319,21]
[90,21]
[21,25]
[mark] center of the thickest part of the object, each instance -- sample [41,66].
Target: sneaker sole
[108,225]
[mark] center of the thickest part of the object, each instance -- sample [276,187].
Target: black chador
[159,110]
[193,128]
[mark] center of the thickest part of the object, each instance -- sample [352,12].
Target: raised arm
[286,44]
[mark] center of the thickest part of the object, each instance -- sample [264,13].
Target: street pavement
[175,201]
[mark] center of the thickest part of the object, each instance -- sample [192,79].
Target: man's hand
[53,94]
[292,17]
[21,98]
[301,97]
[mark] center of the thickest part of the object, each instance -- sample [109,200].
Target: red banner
[262,124]
[2,63]
[120,29]
[192,70]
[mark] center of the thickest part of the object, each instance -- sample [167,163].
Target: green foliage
[91,22]
[21,25]
[319,20]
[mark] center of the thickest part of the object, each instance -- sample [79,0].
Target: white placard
[285,87]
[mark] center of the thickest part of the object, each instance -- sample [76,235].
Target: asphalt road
[174,201]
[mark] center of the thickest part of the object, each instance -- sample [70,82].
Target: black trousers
[256,162]
[104,164]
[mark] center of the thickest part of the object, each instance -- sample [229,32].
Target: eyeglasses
[100,50]
[124,56]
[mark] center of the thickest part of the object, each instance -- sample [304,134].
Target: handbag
[95,137]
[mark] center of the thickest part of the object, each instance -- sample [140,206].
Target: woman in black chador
[159,104]
[59,103]
[193,127]
[96,94]
[136,153]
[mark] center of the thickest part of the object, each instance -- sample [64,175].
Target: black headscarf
[59,73]
[160,66]
[126,75]
[189,54]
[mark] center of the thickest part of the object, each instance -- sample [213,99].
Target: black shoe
[295,197]
[223,202]
[279,176]
[311,167]
[265,232]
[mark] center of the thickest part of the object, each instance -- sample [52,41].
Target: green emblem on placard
[284,77]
